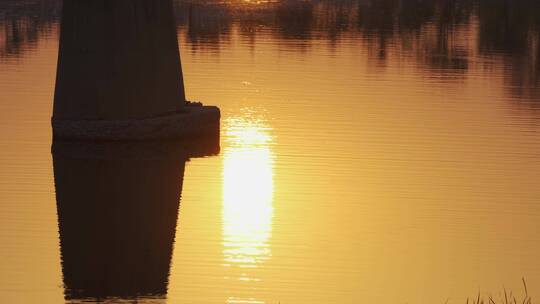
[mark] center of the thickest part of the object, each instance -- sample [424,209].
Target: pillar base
[193,122]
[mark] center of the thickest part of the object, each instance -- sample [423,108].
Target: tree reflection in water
[442,36]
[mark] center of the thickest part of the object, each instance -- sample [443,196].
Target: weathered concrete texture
[118,59]
[191,122]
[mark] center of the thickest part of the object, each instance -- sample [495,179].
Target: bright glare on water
[247,194]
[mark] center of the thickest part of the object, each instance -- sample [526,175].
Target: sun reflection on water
[248,188]
[247,194]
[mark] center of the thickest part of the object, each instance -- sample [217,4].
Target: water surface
[371,151]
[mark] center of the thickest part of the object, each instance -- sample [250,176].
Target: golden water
[357,165]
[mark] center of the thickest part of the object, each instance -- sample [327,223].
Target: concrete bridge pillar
[119,75]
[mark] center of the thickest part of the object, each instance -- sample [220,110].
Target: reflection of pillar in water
[117,212]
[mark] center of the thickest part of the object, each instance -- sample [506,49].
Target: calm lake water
[372,151]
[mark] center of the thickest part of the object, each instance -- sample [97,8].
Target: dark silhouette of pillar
[117,211]
[119,74]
